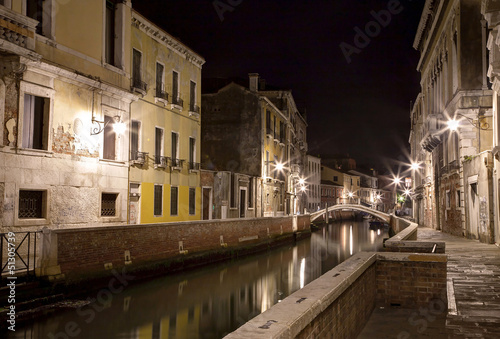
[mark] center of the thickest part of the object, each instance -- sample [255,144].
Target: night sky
[360,108]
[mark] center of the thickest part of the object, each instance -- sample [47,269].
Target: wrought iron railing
[161,94]
[139,84]
[19,253]
[194,166]
[177,101]
[194,108]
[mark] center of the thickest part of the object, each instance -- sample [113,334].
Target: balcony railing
[194,166]
[138,157]
[161,161]
[161,94]
[176,163]
[139,86]
[17,29]
[177,101]
[194,109]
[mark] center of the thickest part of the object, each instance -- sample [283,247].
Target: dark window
[174,145]
[158,200]
[268,122]
[136,70]
[160,85]
[31,204]
[232,194]
[158,144]
[35,122]
[192,201]
[34,10]
[192,96]
[192,147]
[134,142]
[175,85]
[110,32]
[108,204]
[174,194]
[335,178]
[109,139]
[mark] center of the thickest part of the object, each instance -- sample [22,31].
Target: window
[175,142]
[158,200]
[110,32]
[192,201]
[268,122]
[458,199]
[192,97]
[158,144]
[448,196]
[282,132]
[134,140]
[335,178]
[136,70]
[192,154]
[175,89]
[31,204]
[34,10]
[174,196]
[108,204]
[232,194]
[109,144]
[160,86]
[35,122]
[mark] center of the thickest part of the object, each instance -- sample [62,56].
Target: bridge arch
[360,208]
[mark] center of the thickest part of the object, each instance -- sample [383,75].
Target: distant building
[331,193]
[313,183]
[251,134]
[350,184]
[369,192]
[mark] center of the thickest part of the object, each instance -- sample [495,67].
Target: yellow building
[165,127]
[350,183]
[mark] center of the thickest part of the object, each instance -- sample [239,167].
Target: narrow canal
[212,301]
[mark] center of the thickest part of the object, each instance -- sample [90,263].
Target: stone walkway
[473,309]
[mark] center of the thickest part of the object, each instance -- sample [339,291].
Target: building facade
[451,136]
[64,91]
[165,127]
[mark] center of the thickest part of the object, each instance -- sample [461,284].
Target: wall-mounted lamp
[99,126]
[480,123]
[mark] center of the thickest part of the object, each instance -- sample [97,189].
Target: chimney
[254,81]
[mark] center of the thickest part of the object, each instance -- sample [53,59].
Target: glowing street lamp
[397,180]
[415,166]
[453,124]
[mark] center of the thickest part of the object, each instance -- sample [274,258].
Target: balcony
[177,103]
[139,86]
[176,164]
[194,167]
[138,158]
[18,33]
[194,110]
[161,161]
[161,96]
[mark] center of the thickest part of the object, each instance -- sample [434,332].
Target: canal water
[209,302]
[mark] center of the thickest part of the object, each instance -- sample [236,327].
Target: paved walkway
[473,309]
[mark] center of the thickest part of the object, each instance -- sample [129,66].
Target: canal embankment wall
[340,302]
[73,255]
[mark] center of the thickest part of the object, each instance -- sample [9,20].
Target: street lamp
[480,123]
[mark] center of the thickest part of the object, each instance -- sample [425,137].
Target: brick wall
[343,317]
[412,282]
[83,251]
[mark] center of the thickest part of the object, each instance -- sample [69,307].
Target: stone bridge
[360,208]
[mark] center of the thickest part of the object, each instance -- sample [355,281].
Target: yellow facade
[158,111]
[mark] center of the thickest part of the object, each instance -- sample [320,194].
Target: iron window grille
[31,204]
[108,204]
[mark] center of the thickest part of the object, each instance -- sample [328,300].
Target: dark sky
[360,108]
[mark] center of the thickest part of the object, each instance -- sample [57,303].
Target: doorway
[134,208]
[243,202]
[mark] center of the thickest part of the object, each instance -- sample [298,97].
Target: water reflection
[210,302]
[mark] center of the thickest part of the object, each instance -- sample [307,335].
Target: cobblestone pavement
[473,309]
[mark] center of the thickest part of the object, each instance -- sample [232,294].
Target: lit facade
[453,185]
[165,127]
[64,88]
[349,182]
[314,183]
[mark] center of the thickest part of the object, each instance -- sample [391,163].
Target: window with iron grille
[192,201]
[31,204]
[108,204]
[158,200]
